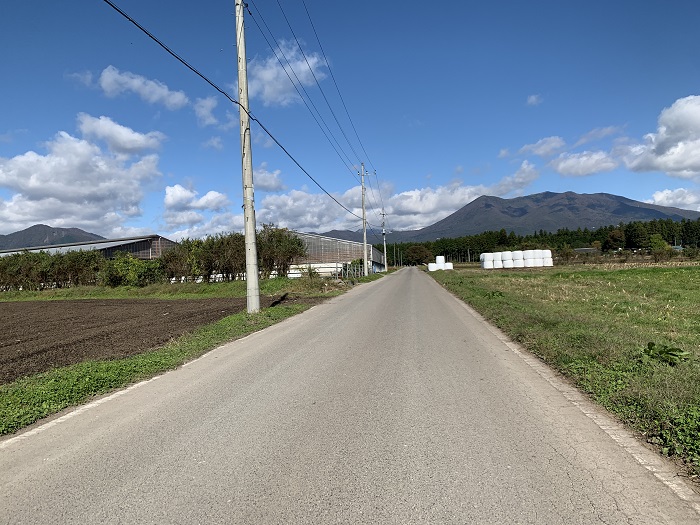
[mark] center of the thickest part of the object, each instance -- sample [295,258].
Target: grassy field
[628,337]
[29,399]
[270,287]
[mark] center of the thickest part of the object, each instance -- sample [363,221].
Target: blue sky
[102,130]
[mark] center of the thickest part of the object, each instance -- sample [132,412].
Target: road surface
[394,403]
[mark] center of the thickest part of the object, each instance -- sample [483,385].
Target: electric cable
[231,99]
[298,84]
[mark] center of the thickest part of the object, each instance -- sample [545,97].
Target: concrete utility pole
[251,251]
[386,261]
[364,226]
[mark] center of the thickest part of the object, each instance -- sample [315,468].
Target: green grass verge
[268,287]
[29,399]
[595,326]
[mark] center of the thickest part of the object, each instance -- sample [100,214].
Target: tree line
[656,237]
[218,257]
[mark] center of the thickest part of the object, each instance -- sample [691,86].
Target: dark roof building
[146,247]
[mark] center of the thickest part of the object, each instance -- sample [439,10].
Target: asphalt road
[394,403]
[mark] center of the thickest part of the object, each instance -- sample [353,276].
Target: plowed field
[36,336]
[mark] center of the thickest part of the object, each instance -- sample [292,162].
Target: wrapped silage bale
[497,256]
[539,254]
[508,263]
[528,254]
[548,261]
[487,265]
[529,262]
[440,266]
[432,267]
[481,257]
[449,266]
[497,264]
[518,263]
[506,256]
[546,254]
[538,262]
[488,257]
[440,259]
[518,255]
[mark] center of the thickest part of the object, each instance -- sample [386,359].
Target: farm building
[327,255]
[146,247]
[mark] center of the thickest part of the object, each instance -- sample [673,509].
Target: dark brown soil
[36,336]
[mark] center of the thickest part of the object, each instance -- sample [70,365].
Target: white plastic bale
[546,254]
[481,257]
[432,267]
[538,254]
[529,263]
[497,256]
[518,255]
[497,263]
[508,263]
[506,256]
[548,261]
[440,259]
[488,257]
[449,266]
[487,265]
[518,263]
[528,254]
[440,266]
[539,262]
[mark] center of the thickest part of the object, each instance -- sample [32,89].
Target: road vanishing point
[393,403]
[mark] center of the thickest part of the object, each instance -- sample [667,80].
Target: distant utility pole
[364,225]
[386,261]
[251,251]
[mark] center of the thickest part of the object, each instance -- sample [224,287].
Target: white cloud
[75,184]
[114,82]
[179,198]
[119,139]
[220,223]
[678,198]
[269,81]
[84,77]
[407,210]
[598,134]
[214,143]
[267,180]
[184,210]
[545,147]
[534,100]
[516,183]
[304,211]
[503,153]
[204,108]
[584,163]
[675,147]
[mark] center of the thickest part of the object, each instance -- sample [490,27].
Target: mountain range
[42,235]
[523,215]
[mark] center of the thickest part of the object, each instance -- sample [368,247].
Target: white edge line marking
[623,437]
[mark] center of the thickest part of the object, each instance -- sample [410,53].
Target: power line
[316,79]
[342,100]
[297,85]
[231,99]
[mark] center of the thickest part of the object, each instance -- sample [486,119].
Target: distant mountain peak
[547,211]
[43,235]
